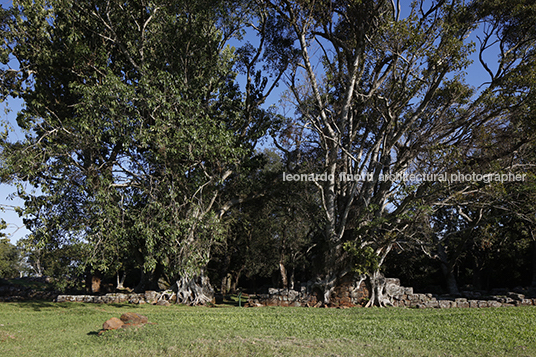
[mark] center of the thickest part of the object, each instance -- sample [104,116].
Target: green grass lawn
[70,329]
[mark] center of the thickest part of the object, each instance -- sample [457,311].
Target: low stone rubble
[149,297]
[347,296]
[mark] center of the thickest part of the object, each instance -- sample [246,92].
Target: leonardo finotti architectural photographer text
[443,177]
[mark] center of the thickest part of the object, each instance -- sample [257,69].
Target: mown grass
[70,329]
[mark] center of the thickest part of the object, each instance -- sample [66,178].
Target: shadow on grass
[37,305]
[232,301]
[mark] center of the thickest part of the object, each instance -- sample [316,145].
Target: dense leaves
[140,141]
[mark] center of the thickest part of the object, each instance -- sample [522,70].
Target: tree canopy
[143,125]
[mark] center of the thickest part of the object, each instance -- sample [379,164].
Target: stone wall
[346,294]
[467,300]
[149,297]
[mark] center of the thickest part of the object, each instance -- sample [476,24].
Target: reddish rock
[112,324]
[131,319]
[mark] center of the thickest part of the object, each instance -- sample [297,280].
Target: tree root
[194,290]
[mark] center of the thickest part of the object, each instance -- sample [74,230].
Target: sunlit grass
[70,329]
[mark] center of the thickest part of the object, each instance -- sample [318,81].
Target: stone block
[151,296]
[392,287]
[493,303]
[444,304]
[482,303]
[432,304]
[400,303]
[272,302]
[516,296]
[462,304]
[293,295]
[394,281]
[473,303]
[526,302]
[414,303]
[134,299]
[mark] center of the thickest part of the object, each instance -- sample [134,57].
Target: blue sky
[15,229]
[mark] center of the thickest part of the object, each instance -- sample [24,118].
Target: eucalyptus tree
[381,92]
[134,124]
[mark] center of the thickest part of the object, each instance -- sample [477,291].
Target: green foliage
[140,143]
[9,259]
[135,123]
[364,259]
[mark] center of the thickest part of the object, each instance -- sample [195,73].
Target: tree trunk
[477,274]
[452,285]
[378,296]
[326,285]
[283,272]
[234,285]
[194,290]
[291,280]
[149,279]
[448,270]
[226,283]
[121,281]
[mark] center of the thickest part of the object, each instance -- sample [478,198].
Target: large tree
[380,92]
[134,122]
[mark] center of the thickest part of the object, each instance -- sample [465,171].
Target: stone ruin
[348,294]
[149,297]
